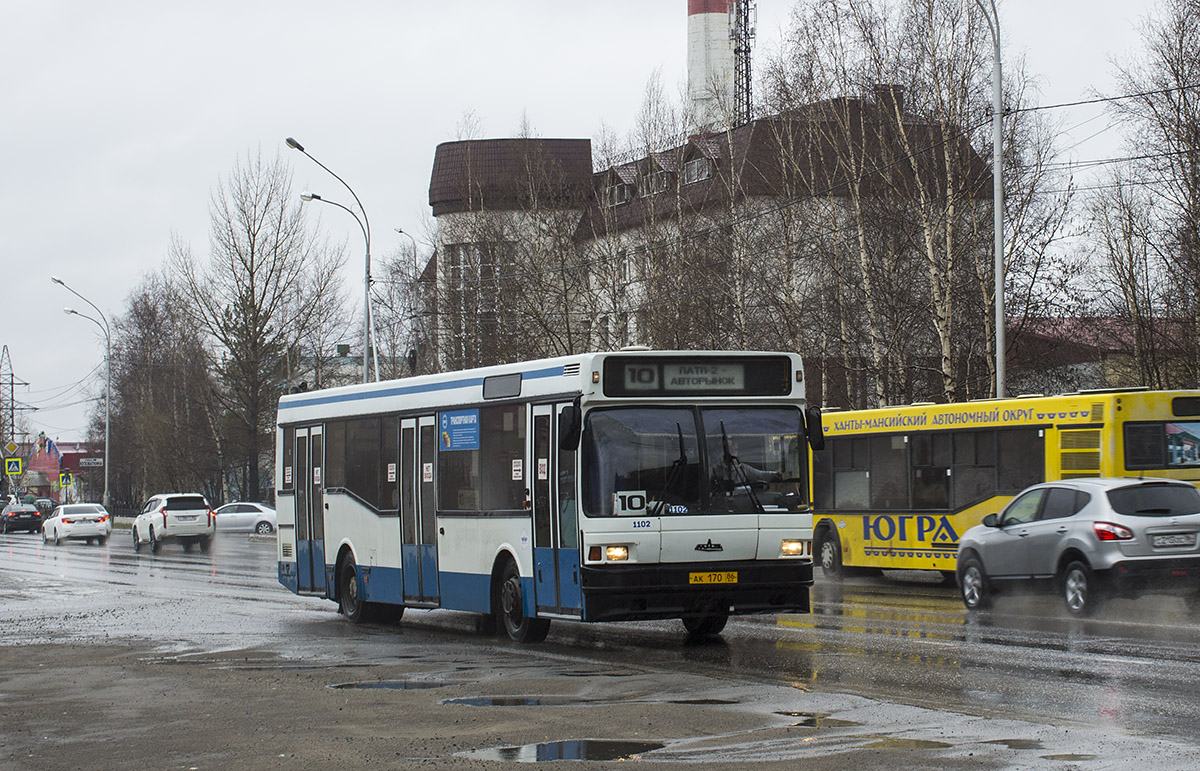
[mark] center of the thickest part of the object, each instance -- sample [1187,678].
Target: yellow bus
[896,486]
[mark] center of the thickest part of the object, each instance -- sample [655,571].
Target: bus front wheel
[705,626]
[829,553]
[519,627]
[350,603]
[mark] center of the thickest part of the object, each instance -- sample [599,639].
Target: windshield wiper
[676,467]
[732,461]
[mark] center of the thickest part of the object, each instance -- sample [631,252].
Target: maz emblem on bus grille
[710,546]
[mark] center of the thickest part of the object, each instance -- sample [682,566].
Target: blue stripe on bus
[382,584]
[469,591]
[413,389]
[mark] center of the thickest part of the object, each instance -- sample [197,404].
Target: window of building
[655,182]
[696,170]
[618,193]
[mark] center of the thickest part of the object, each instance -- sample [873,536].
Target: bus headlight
[616,553]
[794,547]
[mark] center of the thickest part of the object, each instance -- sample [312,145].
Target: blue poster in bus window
[459,430]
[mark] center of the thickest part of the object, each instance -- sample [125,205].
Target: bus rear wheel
[520,628]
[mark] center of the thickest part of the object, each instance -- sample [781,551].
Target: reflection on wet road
[897,639]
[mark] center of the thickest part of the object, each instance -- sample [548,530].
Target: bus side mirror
[812,427]
[569,424]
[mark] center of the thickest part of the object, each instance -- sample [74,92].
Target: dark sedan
[20,516]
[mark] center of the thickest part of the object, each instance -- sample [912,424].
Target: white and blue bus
[598,487]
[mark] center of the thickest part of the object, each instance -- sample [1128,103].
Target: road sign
[10,448]
[65,479]
[86,462]
[13,466]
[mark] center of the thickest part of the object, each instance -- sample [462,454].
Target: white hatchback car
[246,518]
[83,521]
[183,517]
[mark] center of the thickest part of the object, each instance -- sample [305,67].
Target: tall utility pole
[741,33]
[8,401]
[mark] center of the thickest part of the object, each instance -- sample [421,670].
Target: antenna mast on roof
[743,17]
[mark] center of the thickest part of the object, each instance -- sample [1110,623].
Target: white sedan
[83,521]
[245,518]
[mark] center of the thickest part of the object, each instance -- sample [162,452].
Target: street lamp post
[993,20]
[365,225]
[107,375]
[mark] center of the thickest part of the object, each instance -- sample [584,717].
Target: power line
[1102,99]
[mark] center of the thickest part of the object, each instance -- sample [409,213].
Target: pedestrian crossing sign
[65,479]
[12,466]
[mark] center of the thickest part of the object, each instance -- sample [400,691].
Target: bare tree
[251,296]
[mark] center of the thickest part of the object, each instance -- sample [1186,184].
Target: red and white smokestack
[710,61]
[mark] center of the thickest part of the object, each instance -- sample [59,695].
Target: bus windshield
[648,461]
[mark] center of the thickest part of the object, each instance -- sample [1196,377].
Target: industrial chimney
[710,60]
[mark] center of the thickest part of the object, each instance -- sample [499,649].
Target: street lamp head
[294,144]
[56,280]
[70,311]
[307,196]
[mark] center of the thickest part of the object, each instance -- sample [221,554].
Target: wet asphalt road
[884,659]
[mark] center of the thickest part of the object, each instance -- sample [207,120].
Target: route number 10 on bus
[596,487]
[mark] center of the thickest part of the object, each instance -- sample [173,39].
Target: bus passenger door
[555,531]
[310,513]
[427,513]
[410,474]
[545,555]
[566,523]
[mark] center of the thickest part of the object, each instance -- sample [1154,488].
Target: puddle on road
[1019,744]
[574,749]
[818,720]
[520,701]
[1069,756]
[393,685]
[897,743]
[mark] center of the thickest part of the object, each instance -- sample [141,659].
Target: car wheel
[187,545]
[137,542]
[57,538]
[4,526]
[101,540]
[520,627]
[352,606]
[205,544]
[155,544]
[44,538]
[829,552]
[973,584]
[705,626]
[1079,590]
[264,528]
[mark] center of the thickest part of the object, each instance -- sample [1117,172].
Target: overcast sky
[120,117]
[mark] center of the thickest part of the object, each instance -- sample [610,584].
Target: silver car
[245,517]
[1087,538]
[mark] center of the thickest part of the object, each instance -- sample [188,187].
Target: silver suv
[182,517]
[1088,538]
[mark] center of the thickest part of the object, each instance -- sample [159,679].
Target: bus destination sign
[645,376]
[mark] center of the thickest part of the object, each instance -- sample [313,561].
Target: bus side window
[1021,458]
[931,455]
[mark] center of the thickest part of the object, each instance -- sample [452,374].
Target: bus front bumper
[647,591]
